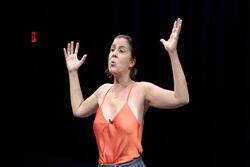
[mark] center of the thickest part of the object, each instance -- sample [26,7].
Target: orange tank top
[118,140]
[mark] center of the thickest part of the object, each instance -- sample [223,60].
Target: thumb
[162,41]
[83,58]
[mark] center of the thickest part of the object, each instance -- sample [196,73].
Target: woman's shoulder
[143,84]
[103,88]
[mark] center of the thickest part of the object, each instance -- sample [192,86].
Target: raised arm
[162,98]
[80,107]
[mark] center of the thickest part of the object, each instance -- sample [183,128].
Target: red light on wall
[33,37]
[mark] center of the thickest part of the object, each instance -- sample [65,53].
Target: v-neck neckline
[118,111]
[115,115]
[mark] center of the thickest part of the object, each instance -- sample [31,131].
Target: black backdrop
[212,130]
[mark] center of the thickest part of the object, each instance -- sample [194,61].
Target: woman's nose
[114,54]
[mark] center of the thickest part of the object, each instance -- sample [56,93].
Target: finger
[65,53]
[83,58]
[77,48]
[162,41]
[68,48]
[72,47]
[174,27]
[179,24]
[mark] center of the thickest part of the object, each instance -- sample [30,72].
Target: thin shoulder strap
[130,90]
[106,94]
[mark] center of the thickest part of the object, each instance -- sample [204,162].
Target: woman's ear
[132,62]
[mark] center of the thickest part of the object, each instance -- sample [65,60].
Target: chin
[113,71]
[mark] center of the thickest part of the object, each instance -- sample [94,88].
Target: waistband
[125,164]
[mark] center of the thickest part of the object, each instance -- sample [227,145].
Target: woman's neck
[121,83]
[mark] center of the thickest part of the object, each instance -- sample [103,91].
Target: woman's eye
[122,51]
[112,49]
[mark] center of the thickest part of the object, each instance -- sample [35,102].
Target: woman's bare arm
[80,106]
[162,98]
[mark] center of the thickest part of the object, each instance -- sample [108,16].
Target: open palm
[171,44]
[72,61]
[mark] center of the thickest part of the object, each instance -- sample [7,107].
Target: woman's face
[120,59]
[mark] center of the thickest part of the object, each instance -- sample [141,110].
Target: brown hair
[133,70]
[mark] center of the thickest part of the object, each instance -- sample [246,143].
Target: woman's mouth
[112,63]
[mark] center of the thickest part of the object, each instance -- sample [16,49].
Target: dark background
[212,130]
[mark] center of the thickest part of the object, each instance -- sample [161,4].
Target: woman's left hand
[171,44]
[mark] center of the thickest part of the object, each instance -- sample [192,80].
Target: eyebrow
[122,46]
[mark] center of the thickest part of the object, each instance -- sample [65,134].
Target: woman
[120,107]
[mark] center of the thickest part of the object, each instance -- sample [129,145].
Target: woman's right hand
[72,61]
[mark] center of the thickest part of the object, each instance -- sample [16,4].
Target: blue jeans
[138,162]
